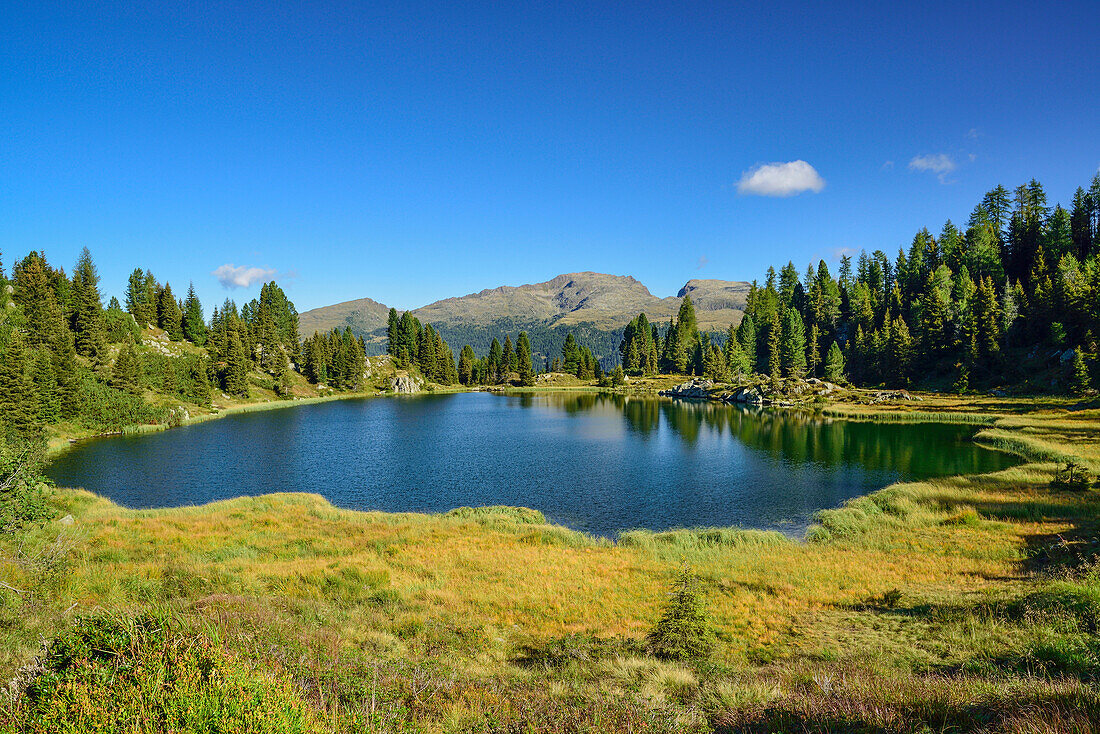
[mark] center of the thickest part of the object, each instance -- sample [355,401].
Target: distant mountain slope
[363,315]
[596,306]
[607,301]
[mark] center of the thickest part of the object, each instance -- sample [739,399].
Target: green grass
[955,604]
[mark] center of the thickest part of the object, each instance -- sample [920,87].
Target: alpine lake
[595,462]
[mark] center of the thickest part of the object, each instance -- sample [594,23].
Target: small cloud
[703,260]
[781,179]
[231,276]
[973,133]
[839,252]
[972,156]
[940,164]
[887,165]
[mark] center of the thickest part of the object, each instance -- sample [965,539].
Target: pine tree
[899,350]
[45,387]
[88,321]
[834,364]
[1081,380]
[495,361]
[34,290]
[466,362]
[126,373]
[774,358]
[570,356]
[169,315]
[793,345]
[508,357]
[714,364]
[63,358]
[523,360]
[194,327]
[393,326]
[746,337]
[687,336]
[18,403]
[236,365]
[813,354]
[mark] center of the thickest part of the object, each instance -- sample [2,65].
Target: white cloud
[703,260]
[940,164]
[887,165]
[231,276]
[781,179]
[974,133]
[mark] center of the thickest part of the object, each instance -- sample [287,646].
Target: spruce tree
[508,358]
[746,337]
[793,345]
[834,364]
[126,372]
[236,365]
[169,315]
[393,328]
[18,403]
[88,320]
[523,361]
[194,327]
[813,353]
[466,362]
[46,389]
[774,358]
[495,361]
[35,291]
[687,336]
[1080,380]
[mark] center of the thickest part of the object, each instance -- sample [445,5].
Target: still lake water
[597,463]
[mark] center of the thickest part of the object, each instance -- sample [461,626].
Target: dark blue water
[598,463]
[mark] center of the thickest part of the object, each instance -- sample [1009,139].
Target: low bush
[1072,477]
[115,674]
[683,632]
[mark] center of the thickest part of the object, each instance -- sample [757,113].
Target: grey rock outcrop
[692,389]
[404,384]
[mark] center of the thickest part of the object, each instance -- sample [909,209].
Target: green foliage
[834,364]
[24,497]
[684,631]
[1072,477]
[523,360]
[115,674]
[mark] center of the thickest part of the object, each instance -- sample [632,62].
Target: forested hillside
[1010,300]
[70,366]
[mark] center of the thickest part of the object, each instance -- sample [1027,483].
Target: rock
[696,388]
[749,396]
[405,384]
[884,396]
[67,520]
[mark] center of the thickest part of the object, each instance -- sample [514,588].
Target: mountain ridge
[597,305]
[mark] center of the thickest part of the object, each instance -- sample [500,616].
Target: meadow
[966,603]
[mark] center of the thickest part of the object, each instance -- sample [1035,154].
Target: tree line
[1017,288]
[67,359]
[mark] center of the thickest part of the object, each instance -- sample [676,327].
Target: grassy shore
[956,604]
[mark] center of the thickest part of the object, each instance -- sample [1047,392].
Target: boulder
[405,384]
[695,388]
[748,395]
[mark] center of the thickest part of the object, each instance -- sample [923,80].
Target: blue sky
[411,152]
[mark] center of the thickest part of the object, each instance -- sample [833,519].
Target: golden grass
[464,590]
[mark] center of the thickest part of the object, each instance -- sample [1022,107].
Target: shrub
[115,674]
[1072,477]
[683,632]
[24,498]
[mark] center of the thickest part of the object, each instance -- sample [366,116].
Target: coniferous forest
[1012,299]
